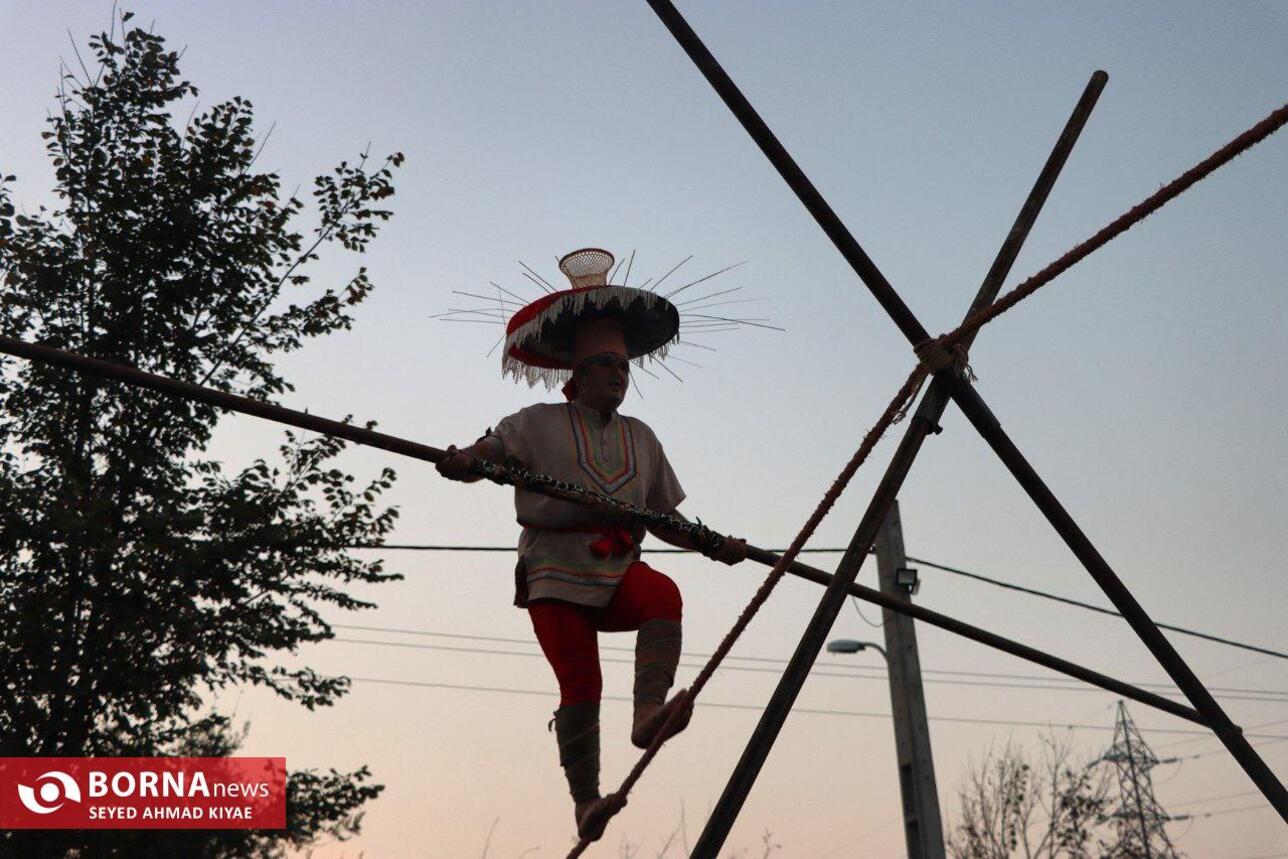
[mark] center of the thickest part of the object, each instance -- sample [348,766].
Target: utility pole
[923,829]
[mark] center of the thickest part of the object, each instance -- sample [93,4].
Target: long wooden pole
[703,537]
[508,476]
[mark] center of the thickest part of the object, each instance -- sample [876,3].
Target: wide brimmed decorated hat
[541,337]
[547,336]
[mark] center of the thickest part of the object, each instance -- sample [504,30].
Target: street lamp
[849,645]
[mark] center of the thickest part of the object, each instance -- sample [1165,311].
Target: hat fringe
[553,377]
[576,302]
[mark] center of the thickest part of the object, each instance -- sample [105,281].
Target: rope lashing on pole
[936,355]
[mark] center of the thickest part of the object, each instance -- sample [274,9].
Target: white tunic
[621,458]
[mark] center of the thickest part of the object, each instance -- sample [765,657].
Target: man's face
[602,381]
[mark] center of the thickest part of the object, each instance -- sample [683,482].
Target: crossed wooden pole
[946,385]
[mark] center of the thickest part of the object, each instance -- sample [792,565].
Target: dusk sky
[1146,385]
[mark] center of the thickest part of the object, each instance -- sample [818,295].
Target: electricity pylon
[1139,817]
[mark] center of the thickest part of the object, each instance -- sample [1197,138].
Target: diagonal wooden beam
[978,413]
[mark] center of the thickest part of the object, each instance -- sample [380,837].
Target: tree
[136,573]
[1044,809]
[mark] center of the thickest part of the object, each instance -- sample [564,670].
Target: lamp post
[919,845]
[923,828]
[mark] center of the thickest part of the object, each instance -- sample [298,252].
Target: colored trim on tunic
[589,454]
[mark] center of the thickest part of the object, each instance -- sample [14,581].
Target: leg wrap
[577,729]
[657,653]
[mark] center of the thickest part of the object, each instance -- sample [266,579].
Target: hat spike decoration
[541,335]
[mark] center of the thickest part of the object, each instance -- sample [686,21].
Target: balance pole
[360,435]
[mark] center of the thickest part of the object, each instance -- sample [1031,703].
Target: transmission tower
[1139,817]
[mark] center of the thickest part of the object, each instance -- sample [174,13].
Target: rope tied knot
[933,354]
[938,353]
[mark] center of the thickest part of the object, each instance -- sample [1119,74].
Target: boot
[577,730]
[657,653]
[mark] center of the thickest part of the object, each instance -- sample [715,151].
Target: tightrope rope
[938,354]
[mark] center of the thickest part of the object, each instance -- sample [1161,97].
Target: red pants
[568,633]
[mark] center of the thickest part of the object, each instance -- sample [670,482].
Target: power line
[1098,609]
[1252,728]
[1216,639]
[854,601]
[1223,751]
[1215,798]
[848,674]
[728,706]
[1074,685]
[1262,807]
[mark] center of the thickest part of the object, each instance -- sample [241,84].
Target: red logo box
[143,793]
